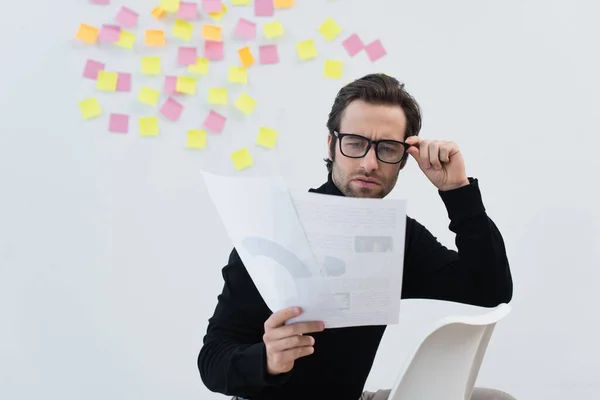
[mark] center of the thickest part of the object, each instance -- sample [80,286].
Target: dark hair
[374,89]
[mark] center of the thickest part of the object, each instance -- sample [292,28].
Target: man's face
[367,176]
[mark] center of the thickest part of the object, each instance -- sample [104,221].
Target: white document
[339,259]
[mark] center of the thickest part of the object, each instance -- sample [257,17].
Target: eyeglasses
[357,146]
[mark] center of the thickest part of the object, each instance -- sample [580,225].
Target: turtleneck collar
[328,187]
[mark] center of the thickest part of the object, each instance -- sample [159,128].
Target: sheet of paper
[171,109]
[149,126]
[196,139]
[245,104]
[155,37]
[246,57]
[148,96]
[90,108]
[107,81]
[242,159]
[126,39]
[213,50]
[268,54]
[124,82]
[119,123]
[188,11]
[267,137]
[375,50]
[237,75]
[245,29]
[92,68]
[306,49]
[330,29]
[187,55]
[263,8]
[110,33]
[127,17]
[268,236]
[353,45]
[88,34]
[273,29]
[183,29]
[215,122]
[218,96]
[333,69]
[200,67]
[212,32]
[151,65]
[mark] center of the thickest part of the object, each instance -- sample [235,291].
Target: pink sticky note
[100,1]
[187,56]
[126,17]
[110,33]
[171,109]
[353,45]
[171,85]
[268,54]
[215,122]
[119,123]
[213,50]
[91,69]
[124,82]
[375,50]
[245,29]
[212,6]
[188,11]
[263,8]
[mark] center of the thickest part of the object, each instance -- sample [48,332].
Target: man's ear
[329,138]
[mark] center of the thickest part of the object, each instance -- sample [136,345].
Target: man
[373,126]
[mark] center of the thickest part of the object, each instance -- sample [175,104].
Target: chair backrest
[446,364]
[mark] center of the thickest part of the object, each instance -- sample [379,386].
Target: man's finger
[424,154]
[434,155]
[278,318]
[298,328]
[296,353]
[291,343]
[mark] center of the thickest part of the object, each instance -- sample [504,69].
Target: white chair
[446,364]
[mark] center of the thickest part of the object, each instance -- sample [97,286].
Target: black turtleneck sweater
[232,360]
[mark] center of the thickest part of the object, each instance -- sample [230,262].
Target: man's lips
[368,181]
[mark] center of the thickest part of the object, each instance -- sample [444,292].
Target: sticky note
[127,17]
[263,8]
[92,68]
[155,37]
[237,75]
[126,39]
[215,122]
[148,96]
[333,69]
[90,108]
[330,29]
[267,137]
[187,55]
[246,57]
[171,109]
[212,32]
[213,50]
[149,126]
[353,45]
[171,85]
[119,123]
[245,29]
[170,5]
[268,54]
[375,50]
[188,11]
[306,49]
[283,3]
[87,34]
[218,96]
[218,15]
[200,67]
[273,29]
[245,104]
[242,159]
[151,65]
[124,82]
[109,33]
[158,12]
[186,84]
[107,81]
[183,29]
[196,139]
[241,2]
[212,6]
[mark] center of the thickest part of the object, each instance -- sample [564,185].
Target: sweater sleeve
[478,273]
[232,360]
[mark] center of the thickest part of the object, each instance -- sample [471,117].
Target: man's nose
[370,162]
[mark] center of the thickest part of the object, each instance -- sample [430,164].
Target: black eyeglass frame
[340,136]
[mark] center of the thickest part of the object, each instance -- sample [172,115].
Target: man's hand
[441,162]
[286,343]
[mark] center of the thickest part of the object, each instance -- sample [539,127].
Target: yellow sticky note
[333,69]
[170,5]
[149,126]
[238,75]
[186,85]
[330,29]
[87,34]
[107,81]
[241,2]
[196,139]
[90,108]
[217,16]
[218,96]
[266,137]
[245,104]
[200,68]
[273,30]
[155,37]
[183,29]
[148,96]
[283,3]
[306,49]
[126,39]
[158,12]
[212,32]
[246,57]
[151,65]
[242,159]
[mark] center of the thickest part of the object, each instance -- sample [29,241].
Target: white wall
[110,250]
